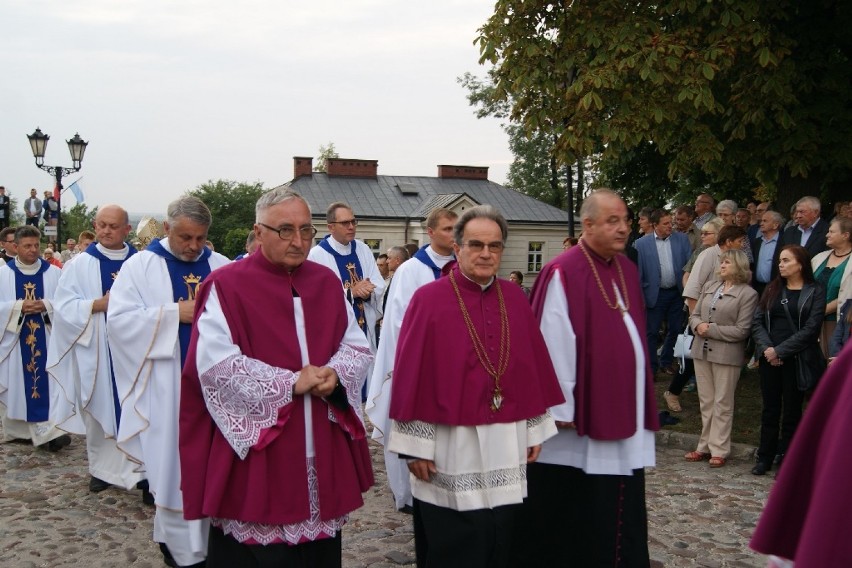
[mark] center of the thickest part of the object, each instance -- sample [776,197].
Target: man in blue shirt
[763,249]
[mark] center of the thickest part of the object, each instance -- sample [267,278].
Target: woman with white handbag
[721,322]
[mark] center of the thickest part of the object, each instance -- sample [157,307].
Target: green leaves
[726,86]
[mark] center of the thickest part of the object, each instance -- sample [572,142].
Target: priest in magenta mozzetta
[272,443]
[469,402]
[586,504]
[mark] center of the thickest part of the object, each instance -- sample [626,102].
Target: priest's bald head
[606,225]
[283,227]
[480,236]
[187,222]
[112,226]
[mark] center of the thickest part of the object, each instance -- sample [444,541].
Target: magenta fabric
[439,379]
[271,485]
[807,516]
[605,393]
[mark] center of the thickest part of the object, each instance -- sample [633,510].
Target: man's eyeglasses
[287,232]
[347,223]
[477,246]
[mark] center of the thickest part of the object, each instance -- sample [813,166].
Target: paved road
[698,516]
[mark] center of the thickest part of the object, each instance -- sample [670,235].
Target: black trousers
[573,519]
[463,539]
[680,378]
[223,551]
[782,403]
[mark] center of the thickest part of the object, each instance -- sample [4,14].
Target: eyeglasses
[477,246]
[705,233]
[347,223]
[287,232]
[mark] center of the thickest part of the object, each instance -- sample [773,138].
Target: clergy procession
[241,397]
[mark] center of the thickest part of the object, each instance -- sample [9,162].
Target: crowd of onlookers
[746,287]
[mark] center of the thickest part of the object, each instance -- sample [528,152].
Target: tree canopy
[76,220]
[727,90]
[232,205]
[325,152]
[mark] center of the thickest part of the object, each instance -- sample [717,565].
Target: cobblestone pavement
[698,516]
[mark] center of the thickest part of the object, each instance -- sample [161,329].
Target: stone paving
[698,516]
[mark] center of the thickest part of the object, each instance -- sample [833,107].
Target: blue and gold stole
[424,257]
[350,271]
[185,277]
[33,343]
[109,270]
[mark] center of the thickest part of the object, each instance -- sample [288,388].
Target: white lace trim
[351,364]
[312,529]
[481,482]
[244,396]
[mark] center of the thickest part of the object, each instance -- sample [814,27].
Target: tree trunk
[793,188]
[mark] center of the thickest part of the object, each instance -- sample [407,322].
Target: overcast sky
[170,94]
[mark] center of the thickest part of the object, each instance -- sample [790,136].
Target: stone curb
[687,442]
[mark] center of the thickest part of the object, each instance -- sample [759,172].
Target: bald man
[79,361]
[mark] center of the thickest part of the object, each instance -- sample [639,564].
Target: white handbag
[683,346]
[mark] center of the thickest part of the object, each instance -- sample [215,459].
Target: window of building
[535,256]
[375,246]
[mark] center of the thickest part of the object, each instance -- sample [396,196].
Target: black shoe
[57,444]
[147,498]
[407,509]
[97,485]
[760,468]
[167,556]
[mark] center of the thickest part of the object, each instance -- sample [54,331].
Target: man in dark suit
[661,257]
[809,231]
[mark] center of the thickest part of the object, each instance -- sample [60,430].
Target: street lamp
[77,147]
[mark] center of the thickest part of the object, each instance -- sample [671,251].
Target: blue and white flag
[77,191]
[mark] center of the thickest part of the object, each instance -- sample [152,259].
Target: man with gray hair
[763,248]
[150,319]
[727,211]
[272,443]
[472,384]
[808,231]
[704,207]
[586,504]
[424,268]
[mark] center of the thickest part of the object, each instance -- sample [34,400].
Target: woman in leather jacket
[780,339]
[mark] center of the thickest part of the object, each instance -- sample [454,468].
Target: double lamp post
[77,147]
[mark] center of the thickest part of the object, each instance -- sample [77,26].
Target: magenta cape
[271,485]
[807,516]
[438,377]
[605,393]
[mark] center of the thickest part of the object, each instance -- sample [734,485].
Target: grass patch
[747,407]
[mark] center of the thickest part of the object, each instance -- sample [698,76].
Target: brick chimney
[302,166]
[462,172]
[347,167]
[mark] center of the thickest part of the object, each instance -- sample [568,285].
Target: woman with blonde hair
[709,238]
[833,270]
[721,322]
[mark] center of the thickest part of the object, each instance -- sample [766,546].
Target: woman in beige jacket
[722,324]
